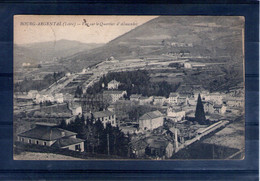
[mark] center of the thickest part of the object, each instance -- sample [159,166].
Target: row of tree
[135,82]
[109,140]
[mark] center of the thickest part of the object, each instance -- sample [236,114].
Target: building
[32,94]
[58,98]
[135,97]
[113,84]
[175,114]
[41,98]
[145,100]
[105,117]
[187,65]
[160,149]
[138,148]
[159,100]
[151,120]
[114,95]
[173,98]
[47,134]
[218,108]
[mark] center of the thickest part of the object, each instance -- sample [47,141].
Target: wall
[33,141]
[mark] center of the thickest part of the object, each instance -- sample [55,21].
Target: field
[42,156]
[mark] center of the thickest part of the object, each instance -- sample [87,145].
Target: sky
[87,29]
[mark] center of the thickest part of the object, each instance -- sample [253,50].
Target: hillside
[38,53]
[209,36]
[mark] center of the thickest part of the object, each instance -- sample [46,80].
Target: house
[135,97]
[47,134]
[234,101]
[113,84]
[145,100]
[173,98]
[187,65]
[218,108]
[208,107]
[114,95]
[214,97]
[158,100]
[41,98]
[183,98]
[58,98]
[160,149]
[151,120]
[32,94]
[138,148]
[105,117]
[175,114]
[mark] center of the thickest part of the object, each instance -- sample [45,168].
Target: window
[37,142]
[44,143]
[30,141]
[22,139]
[77,147]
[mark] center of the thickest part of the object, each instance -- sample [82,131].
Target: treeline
[28,84]
[135,82]
[109,140]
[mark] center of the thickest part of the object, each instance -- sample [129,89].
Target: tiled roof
[151,115]
[113,82]
[101,114]
[66,142]
[47,133]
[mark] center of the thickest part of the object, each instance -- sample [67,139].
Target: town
[153,126]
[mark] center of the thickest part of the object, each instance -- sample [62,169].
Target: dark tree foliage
[78,92]
[63,124]
[200,114]
[98,138]
[135,82]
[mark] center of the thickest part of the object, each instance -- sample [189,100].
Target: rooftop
[173,94]
[113,82]
[151,115]
[101,114]
[47,133]
[66,142]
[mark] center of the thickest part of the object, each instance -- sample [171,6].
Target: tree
[200,114]
[63,124]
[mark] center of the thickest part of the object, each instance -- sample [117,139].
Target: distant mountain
[37,53]
[207,35]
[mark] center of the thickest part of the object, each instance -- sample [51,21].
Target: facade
[105,117]
[175,114]
[47,134]
[135,97]
[58,98]
[32,94]
[173,98]
[158,100]
[113,84]
[114,95]
[145,100]
[151,120]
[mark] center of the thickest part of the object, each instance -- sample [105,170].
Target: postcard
[128,87]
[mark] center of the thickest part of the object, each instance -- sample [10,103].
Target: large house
[113,84]
[151,120]
[158,100]
[114,95]
[47,134]
[105,117]
[173,98]
[175,114]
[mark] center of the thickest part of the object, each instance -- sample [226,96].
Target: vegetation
[200,114]
[135,82]
[109,140]
[28,84]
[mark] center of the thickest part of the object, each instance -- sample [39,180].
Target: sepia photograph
[128,87]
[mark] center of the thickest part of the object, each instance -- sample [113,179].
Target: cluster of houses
[41,98]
